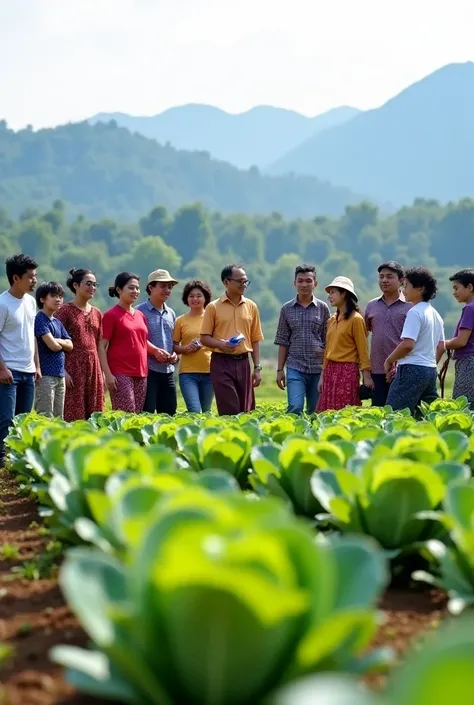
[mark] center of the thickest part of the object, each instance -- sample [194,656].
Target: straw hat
[161,275]
[343,283]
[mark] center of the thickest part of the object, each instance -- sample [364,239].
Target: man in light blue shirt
[161,387]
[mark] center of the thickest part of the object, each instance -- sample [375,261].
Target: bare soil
[34,617]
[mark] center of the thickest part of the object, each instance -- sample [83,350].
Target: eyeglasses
[90,284]
[242,282]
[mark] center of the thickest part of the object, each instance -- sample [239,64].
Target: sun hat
[161,275]
[343,283]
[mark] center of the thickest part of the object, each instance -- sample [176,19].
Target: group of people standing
[326,355]
[60,356]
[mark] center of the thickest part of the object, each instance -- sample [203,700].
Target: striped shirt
[302,329]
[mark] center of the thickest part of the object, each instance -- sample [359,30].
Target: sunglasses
[91,284]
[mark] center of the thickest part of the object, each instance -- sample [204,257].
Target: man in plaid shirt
[301,337]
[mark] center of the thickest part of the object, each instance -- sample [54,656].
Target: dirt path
[33,616]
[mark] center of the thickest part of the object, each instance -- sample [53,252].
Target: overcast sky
[65,60]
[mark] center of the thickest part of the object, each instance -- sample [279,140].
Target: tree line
[196,242]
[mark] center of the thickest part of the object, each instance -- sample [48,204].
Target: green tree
[151,253]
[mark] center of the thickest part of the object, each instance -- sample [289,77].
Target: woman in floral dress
[83,322]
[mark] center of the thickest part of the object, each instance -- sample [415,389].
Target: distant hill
[419,144]
[105,170]
[256,137]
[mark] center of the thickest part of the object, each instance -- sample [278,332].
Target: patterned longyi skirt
[341,382]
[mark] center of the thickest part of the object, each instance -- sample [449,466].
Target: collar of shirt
[313,301]
[224,298]
[401,298]
[150,307]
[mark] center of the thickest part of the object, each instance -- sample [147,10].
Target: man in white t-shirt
[19,364]
[421,346]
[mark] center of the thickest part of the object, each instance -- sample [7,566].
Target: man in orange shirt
[233,316]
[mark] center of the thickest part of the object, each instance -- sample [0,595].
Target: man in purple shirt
[384,318]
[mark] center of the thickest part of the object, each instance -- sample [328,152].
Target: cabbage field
[242,560]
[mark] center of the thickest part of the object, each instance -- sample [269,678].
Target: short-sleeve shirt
[17,332]
[187,329]
[467,322]
[223,319]
[302,329]
[424,325]
[51,361]
[127,334]
[385,322]
[160,326]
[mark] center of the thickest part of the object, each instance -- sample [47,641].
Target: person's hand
[192,347]
[392,373]
[173,358]
[69,382]
[161,355]
[367,378]
[256,378]
[281,379]
[38,374]
[320,385]
[387,366]
[6,376]
[111,383]
[225,346]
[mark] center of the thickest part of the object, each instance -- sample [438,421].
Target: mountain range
[257,137]
[418,144]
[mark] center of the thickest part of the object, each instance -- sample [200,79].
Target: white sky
[65,60]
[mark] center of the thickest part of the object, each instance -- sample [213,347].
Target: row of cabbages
[201,589]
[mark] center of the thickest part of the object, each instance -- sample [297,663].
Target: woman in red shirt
[124,346]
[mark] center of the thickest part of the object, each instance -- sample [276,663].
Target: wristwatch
[258,368]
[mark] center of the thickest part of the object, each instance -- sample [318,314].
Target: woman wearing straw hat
[346,351]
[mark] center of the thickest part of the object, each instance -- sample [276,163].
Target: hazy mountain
[256,137]
[419,144]
[106,170]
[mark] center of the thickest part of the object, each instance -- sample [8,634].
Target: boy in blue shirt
[53,341]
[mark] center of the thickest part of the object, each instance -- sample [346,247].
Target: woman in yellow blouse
[346,351]
[194,368]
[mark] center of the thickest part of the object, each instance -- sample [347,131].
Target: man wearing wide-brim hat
[161,387]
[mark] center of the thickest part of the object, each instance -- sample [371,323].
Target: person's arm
[110,380]
[410,333]
[178,348]
[38,374]
[51,342]
[282,339]
[360,337]
[466,326]
[256,336]
[460,341]
[367,319]
[440,350]
[65,341]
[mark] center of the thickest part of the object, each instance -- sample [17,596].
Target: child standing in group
[463,341]
[346,352]
[421,347]
[53,342]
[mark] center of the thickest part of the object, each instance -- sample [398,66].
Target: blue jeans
[196,388]
[15,398]
[301,386]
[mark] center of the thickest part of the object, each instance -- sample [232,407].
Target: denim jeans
[301,386]
[15,398]
[197,391]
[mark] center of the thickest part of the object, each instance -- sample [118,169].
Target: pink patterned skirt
[341,382]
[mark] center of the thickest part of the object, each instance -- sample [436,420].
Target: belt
[229,356]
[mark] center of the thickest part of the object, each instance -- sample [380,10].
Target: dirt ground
[33,616]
